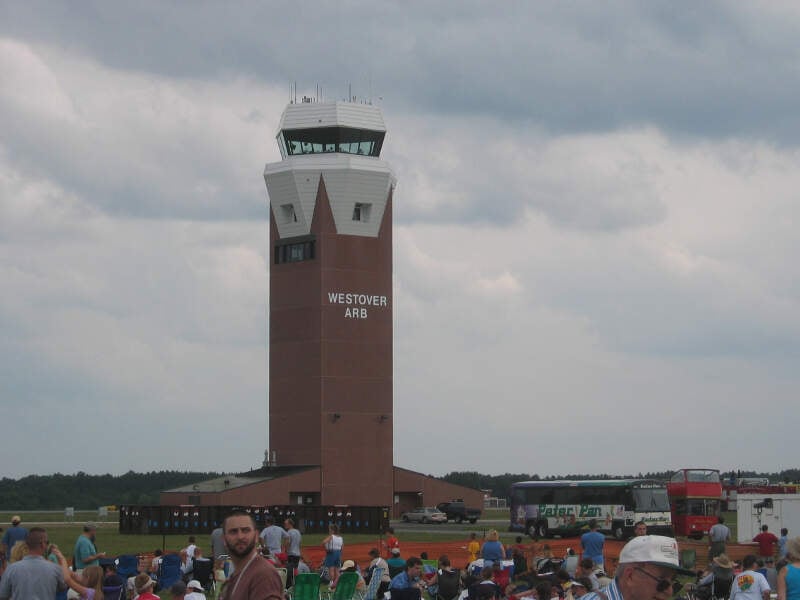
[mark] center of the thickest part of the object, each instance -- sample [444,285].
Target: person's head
[15,520]
[143,583]
[36,541]
[288,524]
[562,576]
[593,524]
[423,555]
[269,520]
[769,562]
[546,551]
[486,573]
[348,566]
[472,535]
[518,539]
[749,561]
[374,553]
[580,586]
[194,586]
[390,530]
[395,552]
[178,590]
[570,552]
[240,534]
[444,561]
[158,552]
[413,567]
[793,549]
[492,536]
[784,531]
[723,561]
[647,566]
[90,531]
[19,551]
[721,520]
[640,528]
[333,529]
[765,528]
[93,577]
[760,562]
[586,565]
[191,539]
[543,590]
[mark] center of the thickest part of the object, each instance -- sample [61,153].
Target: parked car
[425,514]
[457,511]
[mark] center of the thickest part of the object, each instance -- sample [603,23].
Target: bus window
[651,499]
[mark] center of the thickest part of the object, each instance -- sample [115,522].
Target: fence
[203,519]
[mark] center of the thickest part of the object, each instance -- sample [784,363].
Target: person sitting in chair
[410,577]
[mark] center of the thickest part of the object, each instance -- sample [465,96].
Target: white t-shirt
[749,585]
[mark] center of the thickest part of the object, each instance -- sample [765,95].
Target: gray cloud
[593,226]
[694,69]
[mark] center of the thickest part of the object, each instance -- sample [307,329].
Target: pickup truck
[457,511]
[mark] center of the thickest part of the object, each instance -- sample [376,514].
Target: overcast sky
[596,263]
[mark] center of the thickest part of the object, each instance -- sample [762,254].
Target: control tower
[330,313]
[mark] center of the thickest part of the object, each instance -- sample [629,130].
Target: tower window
[288,214]
[317,140]
[361,211]
[295,252]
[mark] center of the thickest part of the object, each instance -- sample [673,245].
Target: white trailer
[774,510]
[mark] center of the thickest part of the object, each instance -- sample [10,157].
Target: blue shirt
[592,544]
[402,582]
[14,534]
[83,549]
[612,591]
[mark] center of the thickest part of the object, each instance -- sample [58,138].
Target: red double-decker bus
[694,500]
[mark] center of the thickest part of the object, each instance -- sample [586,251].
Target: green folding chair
[688,558]
[345,587]
[306,587]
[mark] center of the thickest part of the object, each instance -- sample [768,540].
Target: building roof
[229,482]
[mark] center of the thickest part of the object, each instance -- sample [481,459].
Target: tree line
[87,492]
[500,485]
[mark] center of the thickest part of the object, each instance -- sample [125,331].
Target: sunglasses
[662,585]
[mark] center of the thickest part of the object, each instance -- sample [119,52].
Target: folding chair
[306,587]
[345,587]
[374,583]
[127,565]
[449,585]
[203,571]
[406,594]
[284,574]
[170,571]
[114,592]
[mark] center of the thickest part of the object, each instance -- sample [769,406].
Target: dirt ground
[456,551]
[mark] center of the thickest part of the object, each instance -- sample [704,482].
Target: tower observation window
[295,252]
[323,140]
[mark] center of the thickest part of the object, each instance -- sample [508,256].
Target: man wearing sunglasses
[647,566]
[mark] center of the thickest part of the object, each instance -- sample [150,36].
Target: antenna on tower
[295,92]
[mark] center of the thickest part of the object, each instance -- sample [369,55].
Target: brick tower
[330,313]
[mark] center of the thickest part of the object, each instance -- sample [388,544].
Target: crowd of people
[249,564]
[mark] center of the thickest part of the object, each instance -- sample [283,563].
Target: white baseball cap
[654,549]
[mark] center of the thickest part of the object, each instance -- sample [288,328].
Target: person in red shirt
[766,542]
[391,540]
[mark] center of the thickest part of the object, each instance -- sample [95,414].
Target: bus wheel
[541,530]
[696,535]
